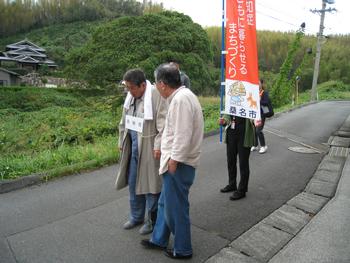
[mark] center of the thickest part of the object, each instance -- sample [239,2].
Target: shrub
[145,42]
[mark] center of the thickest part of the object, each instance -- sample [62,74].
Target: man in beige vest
[140,132]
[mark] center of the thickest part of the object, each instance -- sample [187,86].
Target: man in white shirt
[180,147]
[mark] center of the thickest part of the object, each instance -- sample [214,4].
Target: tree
[214,34]
[22,15]
[281,90]
[150,8]
[143,41]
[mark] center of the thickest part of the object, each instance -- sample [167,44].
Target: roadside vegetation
[42,129]
[58,132]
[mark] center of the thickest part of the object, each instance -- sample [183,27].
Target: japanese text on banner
[242,81]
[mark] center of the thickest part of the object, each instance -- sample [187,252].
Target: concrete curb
[265,239]
[11,185]
[35,179]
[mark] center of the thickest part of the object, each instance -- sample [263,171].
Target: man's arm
[121,130]
[182,122]
[162,110]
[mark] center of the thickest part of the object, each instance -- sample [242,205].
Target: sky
[274,15]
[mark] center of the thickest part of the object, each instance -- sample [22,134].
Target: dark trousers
[259,135]
[234,147]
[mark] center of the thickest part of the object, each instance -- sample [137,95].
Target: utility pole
[320,38]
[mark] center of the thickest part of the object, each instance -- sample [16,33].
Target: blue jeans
[138,202]
[173,210]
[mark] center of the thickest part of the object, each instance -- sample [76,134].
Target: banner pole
[222,86]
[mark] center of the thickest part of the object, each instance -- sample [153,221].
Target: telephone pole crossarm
[323,10]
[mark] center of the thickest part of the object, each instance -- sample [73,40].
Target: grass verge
[52,160]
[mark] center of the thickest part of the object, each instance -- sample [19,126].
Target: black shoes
[227,188]
[237,195]
[149,245]
[170,253]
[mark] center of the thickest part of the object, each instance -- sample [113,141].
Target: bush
[33,99]
[145,42]
[33,119]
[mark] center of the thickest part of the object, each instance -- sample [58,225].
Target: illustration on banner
[242,99]
[237,92]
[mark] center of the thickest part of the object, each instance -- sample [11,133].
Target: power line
[290,16]
[278,19]
[283,21]
[277,11]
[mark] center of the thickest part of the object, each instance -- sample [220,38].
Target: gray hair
[168,74]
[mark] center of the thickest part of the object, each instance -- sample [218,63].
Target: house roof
[25,43]
[50,62]
[29,59]
[26,52]
[5,59]
[9,72]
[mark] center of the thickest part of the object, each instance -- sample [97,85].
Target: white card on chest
[134,123]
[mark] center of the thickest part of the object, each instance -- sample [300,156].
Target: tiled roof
[25,43]
[26,52]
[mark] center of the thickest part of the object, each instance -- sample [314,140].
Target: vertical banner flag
[241,69]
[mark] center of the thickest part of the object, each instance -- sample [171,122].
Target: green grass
[52,127]
[46,130]
[330,90]
[211,112]
[65,159]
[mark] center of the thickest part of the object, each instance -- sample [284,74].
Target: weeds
[81,132]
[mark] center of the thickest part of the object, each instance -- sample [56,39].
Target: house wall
[15,80]
[5,79]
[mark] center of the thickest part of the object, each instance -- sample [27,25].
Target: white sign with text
[134,123]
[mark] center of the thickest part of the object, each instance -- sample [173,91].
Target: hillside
[20,16]
[95,52]
[56,39]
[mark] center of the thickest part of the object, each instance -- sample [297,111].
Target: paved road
[78,218]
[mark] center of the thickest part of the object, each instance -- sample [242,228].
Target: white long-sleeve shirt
[183,132]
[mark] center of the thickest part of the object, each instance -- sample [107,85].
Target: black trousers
[234,148]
